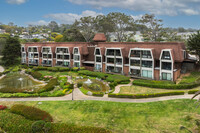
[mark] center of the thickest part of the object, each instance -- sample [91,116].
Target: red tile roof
[99,37]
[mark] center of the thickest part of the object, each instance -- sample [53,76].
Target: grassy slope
[145,90]
[155,117]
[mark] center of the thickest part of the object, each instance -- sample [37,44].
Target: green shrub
[93,74]
[64,69]
[192,91]
[47,127]
[50,86]
[136,96]
[31,113]
[75,69]
[80,84]
[98,94]
[53,69]
[164,84]
[82,68]
[118,78]
[38,126]
[35,74]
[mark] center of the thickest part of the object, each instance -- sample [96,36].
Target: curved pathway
[117,88]
[78,95]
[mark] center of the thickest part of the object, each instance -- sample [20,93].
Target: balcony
[46,64]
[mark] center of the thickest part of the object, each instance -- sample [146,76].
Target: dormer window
[23,49]
[97,52]
[166,55]
[76,51]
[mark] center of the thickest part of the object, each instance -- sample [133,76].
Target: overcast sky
[175,13]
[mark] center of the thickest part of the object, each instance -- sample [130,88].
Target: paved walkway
[1,69]
[117,88]
[78,95]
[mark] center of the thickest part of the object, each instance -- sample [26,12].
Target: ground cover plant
[153,117]
[31,112]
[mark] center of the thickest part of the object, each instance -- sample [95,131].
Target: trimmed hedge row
[136,96]
[192,91]
[98,94]
[57,69]
[50,86]
[43,94]
[118,78]
[31,113]
[93,74]
[166,86]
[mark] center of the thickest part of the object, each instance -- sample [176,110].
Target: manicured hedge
[118,78]
[136,96]
[98,94]
[50,86]
[165,86]
[192,91]
[31,113]
[93,74]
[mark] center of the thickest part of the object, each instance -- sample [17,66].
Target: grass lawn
[156,117]
[145,90]
[54,74]
[191,78]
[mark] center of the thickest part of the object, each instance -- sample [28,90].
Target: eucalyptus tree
[154,29]
[86,25]
[120,23]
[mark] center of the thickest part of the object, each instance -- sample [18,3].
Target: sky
[174,13]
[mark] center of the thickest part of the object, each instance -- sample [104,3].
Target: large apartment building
[149,60]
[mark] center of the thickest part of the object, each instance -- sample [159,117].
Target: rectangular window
[135,62]
[76,57]
[110,60]
[147,64]
[146,74]
[62,50]
[98,67]
[166,65]
[166,76]
[118,61]
[98,59]
[135,72]
[76,64]
[146,54]
[135,53]
[110,52]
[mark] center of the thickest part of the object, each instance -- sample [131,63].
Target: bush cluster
[164,85]
[136,96]
[2,107]
[34,74]
[50,86]
[31,113]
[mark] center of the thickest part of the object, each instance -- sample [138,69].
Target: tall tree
[154,29]
[193,43]
[73,35]
[86,25]
[120,23]
[53,26]
[11,51]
